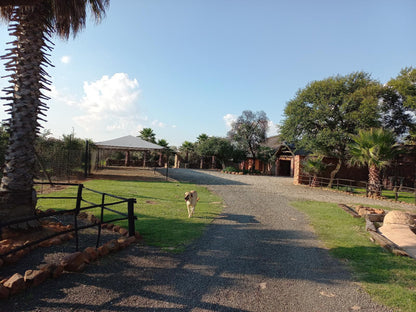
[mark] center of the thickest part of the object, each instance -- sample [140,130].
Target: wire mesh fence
[60,164]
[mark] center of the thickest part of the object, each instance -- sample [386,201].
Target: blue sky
[187,67]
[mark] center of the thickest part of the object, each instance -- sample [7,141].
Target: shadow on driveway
[258,272]
[197,177]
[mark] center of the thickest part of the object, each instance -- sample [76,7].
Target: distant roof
[273,142]
[128,142]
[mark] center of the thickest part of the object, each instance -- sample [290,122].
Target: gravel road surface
[260,254]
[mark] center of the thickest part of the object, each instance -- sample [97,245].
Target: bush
[231,169]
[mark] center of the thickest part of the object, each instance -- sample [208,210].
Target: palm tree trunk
[26,60]
[374,181]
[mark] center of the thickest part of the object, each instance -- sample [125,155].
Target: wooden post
[144,159]
[127,159]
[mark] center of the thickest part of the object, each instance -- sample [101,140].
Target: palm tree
[166,150]
[148,135]
[313,165]
[374,148]
[32,23]
[187,147]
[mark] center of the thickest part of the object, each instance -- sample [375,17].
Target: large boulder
[398,218]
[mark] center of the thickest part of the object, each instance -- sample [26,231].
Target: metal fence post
[101,219]
[87,160]
[77,208]
[130,211]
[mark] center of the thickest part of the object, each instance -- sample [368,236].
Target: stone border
[74,262]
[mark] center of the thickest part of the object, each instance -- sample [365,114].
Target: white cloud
[65,59]
[229,119]
[158,123]
[110,104]
[108,107]
[60,97]
[273,129]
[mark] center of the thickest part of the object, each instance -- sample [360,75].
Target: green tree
[313,165]
[374,148]
[163,142]
[165,152]
[32,26]
[399,103]
[325,114]
[202,137]
[268,156]
[187,148]
[221,148]
[148,135]
[405,85]
[249,131]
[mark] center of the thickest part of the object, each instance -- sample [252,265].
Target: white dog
[191,199]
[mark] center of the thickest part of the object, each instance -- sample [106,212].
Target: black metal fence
[79,200]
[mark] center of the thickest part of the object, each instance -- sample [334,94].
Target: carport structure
[127,144]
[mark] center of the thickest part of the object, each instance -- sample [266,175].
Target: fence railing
[361,187]
[79,200]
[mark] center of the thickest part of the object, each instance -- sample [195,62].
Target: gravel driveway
[260,254]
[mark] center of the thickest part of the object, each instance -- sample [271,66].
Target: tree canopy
[323,116]
[249,131]
[148,135]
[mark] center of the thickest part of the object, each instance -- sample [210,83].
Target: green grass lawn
[389,279]
[402,196]
[161,210]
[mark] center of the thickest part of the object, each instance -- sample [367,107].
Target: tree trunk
[25,60]
[374,186]
[314,182]
[334,173]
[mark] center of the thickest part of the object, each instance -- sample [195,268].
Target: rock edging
[74,262]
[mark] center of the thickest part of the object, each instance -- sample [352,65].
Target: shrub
[231,169]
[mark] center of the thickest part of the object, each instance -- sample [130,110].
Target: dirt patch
[151,202]
[128,174]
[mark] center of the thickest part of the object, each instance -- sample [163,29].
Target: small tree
[313,165]
[374,148]
[221,148]
[268,156]
[249,131]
